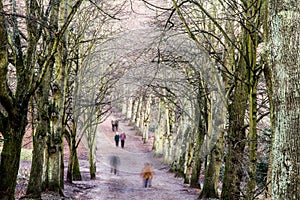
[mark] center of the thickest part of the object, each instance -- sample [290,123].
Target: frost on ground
[127,183]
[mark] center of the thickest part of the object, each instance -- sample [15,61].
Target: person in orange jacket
[147,175]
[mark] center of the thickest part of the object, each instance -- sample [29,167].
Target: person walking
[114,125]
[123,138]
[147,175]
[114,163]
[117,138]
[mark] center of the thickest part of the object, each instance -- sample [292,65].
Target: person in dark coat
[114,125]
[117,138]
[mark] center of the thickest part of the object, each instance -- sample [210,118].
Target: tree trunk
[253,75]
[92,161]
[201,131]
[54,163]
[168,135]
[129,104]
[285,59]
[34,188]
[71,161]
[189,156]
[268,74]
[138,112]
[91,134]
[252,138]
[178,164]
[133,112]
[236,138]
[269,85]
[13,117]
[161,129]
[209,190]
[76,168]
[146,119]
[55,144]
[211,180]
[73,172]
[196,171]
[10,159]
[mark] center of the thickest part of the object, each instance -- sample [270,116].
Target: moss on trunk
[10,160]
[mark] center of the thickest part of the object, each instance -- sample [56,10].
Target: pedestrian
[123,137]
[147,175]
[114,163]
[114,125]
[117,138]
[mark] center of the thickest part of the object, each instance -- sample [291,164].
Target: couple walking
[121,137]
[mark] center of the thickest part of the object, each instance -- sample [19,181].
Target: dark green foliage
[262,171]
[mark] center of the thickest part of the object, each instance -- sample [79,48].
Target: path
[127,184]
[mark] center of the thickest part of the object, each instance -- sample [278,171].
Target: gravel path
[127,184]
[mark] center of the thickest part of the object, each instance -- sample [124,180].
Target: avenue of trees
[215,82]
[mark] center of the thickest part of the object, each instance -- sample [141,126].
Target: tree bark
[73,171]
[236,138]
[34,188]
[55,144]
[161,130]
[196,170]
[285,60]
[201,119]
[211,180]
[92,161]
[10,158]
[13,116]
[252,25]
[146,119]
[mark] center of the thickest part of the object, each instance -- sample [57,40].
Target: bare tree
[18,30]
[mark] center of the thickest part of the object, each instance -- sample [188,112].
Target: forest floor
[127,184]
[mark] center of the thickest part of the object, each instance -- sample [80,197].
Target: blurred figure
[114,163]
[123,137]
[117,138]
[147,174]
[114,125]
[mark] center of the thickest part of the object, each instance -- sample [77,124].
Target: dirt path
[127,184]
